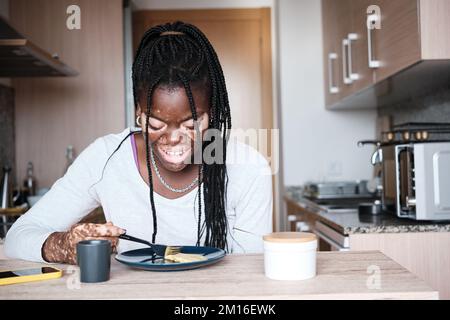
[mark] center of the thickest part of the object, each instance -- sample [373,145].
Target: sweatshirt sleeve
[70,199]
[253,211]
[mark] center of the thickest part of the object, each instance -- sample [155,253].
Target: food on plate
[185,257]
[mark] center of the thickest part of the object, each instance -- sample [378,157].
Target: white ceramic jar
[290,255]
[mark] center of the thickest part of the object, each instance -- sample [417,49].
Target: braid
[214,199]
[197,129]
[176,55]
[147,158]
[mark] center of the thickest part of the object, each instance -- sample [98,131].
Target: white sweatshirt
[124,196]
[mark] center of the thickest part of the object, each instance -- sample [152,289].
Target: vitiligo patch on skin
[60,247]
[172,120]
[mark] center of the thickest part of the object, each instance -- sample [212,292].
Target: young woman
[147,180]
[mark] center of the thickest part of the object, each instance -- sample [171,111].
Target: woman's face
[171,127]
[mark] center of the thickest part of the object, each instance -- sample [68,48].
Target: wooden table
[340,275]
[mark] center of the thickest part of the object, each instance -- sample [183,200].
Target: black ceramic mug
[94,260]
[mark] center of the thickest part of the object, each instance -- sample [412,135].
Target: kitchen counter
[352,223]
[339,276]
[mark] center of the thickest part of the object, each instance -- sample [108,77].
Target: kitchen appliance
[337,190]
[422,179]
[415,170]
[370,208]
[329,239]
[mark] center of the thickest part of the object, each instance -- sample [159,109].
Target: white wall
[4,12]
[317,144]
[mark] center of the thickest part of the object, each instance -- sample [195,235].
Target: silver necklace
[165,184]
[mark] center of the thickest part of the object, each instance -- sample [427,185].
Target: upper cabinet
[374,49]
[19,57]
[332,67]
[396,45]
[357,37]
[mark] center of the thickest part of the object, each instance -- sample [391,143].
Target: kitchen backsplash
[7,145]
[433,107]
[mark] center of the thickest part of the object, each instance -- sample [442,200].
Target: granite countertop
[352,222]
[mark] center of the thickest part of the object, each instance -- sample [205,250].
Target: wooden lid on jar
[290,237]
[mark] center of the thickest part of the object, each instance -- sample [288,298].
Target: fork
[159,249]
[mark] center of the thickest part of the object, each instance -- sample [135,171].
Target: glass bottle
[69,157]
[30,183]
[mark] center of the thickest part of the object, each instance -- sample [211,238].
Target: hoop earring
[137,121]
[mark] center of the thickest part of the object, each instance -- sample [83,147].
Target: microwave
[422,180]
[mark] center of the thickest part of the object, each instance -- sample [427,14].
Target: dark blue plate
[144,259]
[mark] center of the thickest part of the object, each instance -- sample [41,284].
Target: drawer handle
[345,74]
[371,19]
[351,37]
[332,88]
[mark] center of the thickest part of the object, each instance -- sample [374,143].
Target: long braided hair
[178,55]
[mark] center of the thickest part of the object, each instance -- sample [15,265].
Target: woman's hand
[60,247]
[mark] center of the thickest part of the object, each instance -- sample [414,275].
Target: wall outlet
[334,169]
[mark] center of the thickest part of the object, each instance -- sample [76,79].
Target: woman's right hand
[60,247]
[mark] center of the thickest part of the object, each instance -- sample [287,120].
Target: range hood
[19,57]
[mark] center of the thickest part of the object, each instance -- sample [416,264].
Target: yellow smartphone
[28,275]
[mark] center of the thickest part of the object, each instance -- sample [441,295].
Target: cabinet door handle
[351,37]
[370,20]
[345,75]
[331,87]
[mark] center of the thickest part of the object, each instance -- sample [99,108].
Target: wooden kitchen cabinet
[345,35]
[411,44]
[423,253]
[360,56]
[331,53]
[397,44]
[345,48]
[343,30]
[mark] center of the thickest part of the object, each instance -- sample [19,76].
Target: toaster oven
[422,181]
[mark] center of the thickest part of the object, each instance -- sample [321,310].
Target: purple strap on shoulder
[133,146]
